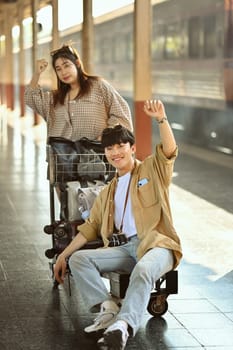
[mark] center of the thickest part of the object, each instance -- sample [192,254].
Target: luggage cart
[70,175]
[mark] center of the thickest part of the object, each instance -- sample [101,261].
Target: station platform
[34,316]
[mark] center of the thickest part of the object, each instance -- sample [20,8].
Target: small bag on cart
[86,198]
[76,200]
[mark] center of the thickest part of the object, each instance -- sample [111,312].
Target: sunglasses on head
[65,49]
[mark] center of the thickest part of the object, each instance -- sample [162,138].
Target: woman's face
[66,70]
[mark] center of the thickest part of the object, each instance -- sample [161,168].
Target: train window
[129,47]
[194,35]
[119,49]
[157,42]
[106,55]
[102,54]
[209,36]
[114,49]
[174,41]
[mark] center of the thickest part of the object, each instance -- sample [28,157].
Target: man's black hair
[117,135]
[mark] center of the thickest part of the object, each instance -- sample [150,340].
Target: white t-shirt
[129,228]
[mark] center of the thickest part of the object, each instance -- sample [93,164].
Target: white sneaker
[114,338]
[105,318]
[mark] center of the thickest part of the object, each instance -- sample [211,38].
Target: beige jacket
[150,204]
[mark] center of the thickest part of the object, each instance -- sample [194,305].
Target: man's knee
[154,265]
[77,259]
[140,271]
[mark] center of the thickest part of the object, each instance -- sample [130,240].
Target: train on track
[192,64]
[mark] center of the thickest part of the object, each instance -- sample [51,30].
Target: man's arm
[61,264]
[155,109]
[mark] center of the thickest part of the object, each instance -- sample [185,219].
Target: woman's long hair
[84,79]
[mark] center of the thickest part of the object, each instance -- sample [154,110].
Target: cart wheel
[158,304]
[49,229]
[60,232]
[50,253]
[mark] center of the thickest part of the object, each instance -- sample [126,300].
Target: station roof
[27,5]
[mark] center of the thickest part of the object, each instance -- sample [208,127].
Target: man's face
[120,156]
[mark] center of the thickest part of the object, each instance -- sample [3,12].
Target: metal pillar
[87,36]
[21,59]
[8,57]
[2,62]
[142,76]
[55,35]
[34,6]
[55,32]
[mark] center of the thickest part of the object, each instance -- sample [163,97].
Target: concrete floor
[34,316]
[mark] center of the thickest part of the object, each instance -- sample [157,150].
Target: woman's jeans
[87,265]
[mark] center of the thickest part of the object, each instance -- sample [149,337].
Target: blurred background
[180,51]
[187,48]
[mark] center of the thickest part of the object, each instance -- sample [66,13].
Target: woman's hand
[41,65]
[155,109]
[60,268]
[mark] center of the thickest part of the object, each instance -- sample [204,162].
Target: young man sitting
[135,204]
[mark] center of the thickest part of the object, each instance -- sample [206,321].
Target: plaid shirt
[86,116]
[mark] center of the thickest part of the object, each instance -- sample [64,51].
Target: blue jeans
[87,265]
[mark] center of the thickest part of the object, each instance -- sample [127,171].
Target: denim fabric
[86,266]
